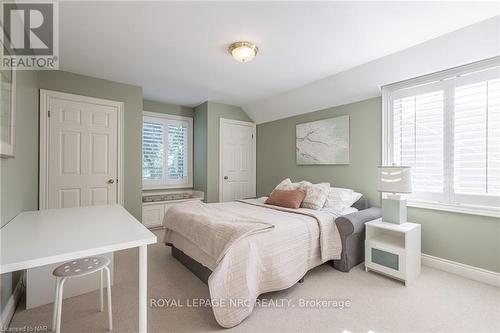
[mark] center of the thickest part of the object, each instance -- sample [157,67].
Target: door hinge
[48,114]
[252,136]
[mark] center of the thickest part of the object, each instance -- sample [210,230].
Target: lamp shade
[394,179]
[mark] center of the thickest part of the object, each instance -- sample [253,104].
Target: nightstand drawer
[385,261]
[384,258]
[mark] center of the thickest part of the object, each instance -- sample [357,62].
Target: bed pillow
[341,198]
[336,213]
[286,198]
[287,184]
[316,195]
[355,197]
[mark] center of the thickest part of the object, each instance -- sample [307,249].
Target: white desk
[39,238]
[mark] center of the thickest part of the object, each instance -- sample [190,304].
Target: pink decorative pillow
[288,199]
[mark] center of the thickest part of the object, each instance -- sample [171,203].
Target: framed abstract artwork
[7,112]
[323,142]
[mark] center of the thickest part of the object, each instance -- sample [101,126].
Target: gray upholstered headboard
[361,204]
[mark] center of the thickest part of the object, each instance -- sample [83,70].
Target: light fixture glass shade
[243,51]
[394,179]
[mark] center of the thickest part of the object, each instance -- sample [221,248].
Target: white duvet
[269,259]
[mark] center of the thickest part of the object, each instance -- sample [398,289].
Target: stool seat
[78,268]
[81,267]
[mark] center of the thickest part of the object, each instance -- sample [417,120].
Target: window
[167,151]
[446,126]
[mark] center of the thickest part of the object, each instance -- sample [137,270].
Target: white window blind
[167,151]
[448,130]
[177,154]
[477,138]
[152,150]
[418,139]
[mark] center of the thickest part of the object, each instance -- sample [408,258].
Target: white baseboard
[10,307]
[470,272]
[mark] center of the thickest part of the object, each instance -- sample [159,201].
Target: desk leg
[143,289]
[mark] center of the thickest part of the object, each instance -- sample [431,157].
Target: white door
[237,160]
[82,153]
[79,166]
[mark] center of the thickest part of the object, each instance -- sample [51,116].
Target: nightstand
[393,249]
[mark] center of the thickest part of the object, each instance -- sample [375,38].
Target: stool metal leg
[110,312]
[59,305]
[56,300]
[102,306]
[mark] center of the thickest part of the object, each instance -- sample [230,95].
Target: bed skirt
[195,267]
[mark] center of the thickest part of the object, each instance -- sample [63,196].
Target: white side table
[393,249]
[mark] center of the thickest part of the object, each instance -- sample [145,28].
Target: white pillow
[287,185]
[341,198]
[283,183]
[349,210]
[336,213]
[315,195]
[355,197]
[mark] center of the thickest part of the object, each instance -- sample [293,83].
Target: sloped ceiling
[473,43]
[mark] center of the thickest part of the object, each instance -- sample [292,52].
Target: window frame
[163,184]
[459,74]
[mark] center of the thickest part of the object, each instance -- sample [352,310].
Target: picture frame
[323,142]
[7,112]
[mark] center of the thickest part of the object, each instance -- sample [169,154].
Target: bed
[271,248]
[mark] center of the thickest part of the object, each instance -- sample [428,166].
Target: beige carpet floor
[436,302]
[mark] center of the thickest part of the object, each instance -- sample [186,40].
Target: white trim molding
[223,121]
[45,96]
[10,307]
[455,208]
[470,272]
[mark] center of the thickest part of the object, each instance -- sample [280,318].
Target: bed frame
[352,234]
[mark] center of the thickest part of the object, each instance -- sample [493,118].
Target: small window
[167,150]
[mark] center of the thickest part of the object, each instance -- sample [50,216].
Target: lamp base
[394,209]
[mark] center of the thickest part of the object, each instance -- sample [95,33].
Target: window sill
[456,208]
[167,187]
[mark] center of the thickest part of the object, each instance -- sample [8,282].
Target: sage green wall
[200,149]
[131,96]
[469,239]
[206,145]
[19,175]
[160,107]
[276,151]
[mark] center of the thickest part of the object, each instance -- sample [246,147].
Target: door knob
[111,181]
[226,177]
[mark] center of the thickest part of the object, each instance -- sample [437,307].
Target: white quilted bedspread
[271,255]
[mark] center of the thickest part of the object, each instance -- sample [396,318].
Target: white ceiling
[472,43]
[177,51]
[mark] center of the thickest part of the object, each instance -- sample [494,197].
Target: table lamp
[394,180]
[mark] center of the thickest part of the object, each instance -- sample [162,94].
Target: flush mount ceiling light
[243,51]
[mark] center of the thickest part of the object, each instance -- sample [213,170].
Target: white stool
[77,268]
